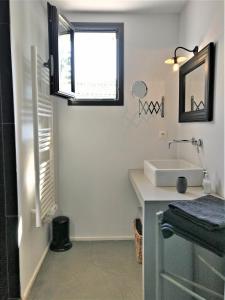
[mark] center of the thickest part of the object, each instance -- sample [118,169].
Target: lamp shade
[169,61]
[173,60]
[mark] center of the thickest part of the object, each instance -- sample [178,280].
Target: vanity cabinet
[178,254]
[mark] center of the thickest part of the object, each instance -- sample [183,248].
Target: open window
[61,54]
[87,60]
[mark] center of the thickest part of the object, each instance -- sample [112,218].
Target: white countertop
[147,192]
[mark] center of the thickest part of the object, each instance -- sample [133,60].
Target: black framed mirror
[196,87]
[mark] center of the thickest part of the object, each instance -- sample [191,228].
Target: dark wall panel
[9,252]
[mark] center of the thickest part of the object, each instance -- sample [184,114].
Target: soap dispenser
[206,183]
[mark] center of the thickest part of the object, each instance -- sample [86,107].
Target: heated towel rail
[175,279]
[45,202]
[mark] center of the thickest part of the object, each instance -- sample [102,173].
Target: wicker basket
[138,239]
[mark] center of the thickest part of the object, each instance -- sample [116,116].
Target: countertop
[146,192]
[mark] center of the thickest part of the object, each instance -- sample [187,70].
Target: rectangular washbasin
[165,172]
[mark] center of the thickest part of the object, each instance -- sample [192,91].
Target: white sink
[165,172]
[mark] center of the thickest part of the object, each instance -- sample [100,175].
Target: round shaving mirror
[139,89]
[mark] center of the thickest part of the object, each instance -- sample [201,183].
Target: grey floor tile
[90,271]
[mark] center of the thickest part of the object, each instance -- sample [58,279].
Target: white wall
[28,27]
[202,22]
[97,145]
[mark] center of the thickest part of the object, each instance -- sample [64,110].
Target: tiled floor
[90,271]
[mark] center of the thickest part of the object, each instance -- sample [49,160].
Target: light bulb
[175,67]
[169,61]
[181,59]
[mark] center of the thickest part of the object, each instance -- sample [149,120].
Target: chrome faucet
[197,143]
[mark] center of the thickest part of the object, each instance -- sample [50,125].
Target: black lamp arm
[195,50]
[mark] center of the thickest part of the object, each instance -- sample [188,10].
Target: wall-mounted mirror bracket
[139,91]
[152,107]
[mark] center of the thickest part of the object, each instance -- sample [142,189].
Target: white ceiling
[150,6]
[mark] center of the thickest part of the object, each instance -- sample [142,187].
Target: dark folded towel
[211,240]
[207,211]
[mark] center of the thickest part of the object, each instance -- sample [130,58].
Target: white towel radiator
[175,279]
[45,202]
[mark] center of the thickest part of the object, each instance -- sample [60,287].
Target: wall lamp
[176,60]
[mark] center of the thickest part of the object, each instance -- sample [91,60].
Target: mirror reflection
[195,89]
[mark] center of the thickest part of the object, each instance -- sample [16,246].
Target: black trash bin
[60,234]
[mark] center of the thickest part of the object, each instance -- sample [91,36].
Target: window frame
[105,27]
[54,17]
[53,27]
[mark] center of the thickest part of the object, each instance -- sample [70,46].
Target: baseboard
[102,238]
[37,269]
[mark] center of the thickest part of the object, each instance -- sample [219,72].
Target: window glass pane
[95,65]
[64,57]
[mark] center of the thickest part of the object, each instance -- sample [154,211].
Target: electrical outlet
[163,135]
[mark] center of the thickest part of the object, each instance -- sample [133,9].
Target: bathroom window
[86,61]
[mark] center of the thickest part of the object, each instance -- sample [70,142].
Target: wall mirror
[196,82]
[139,89]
